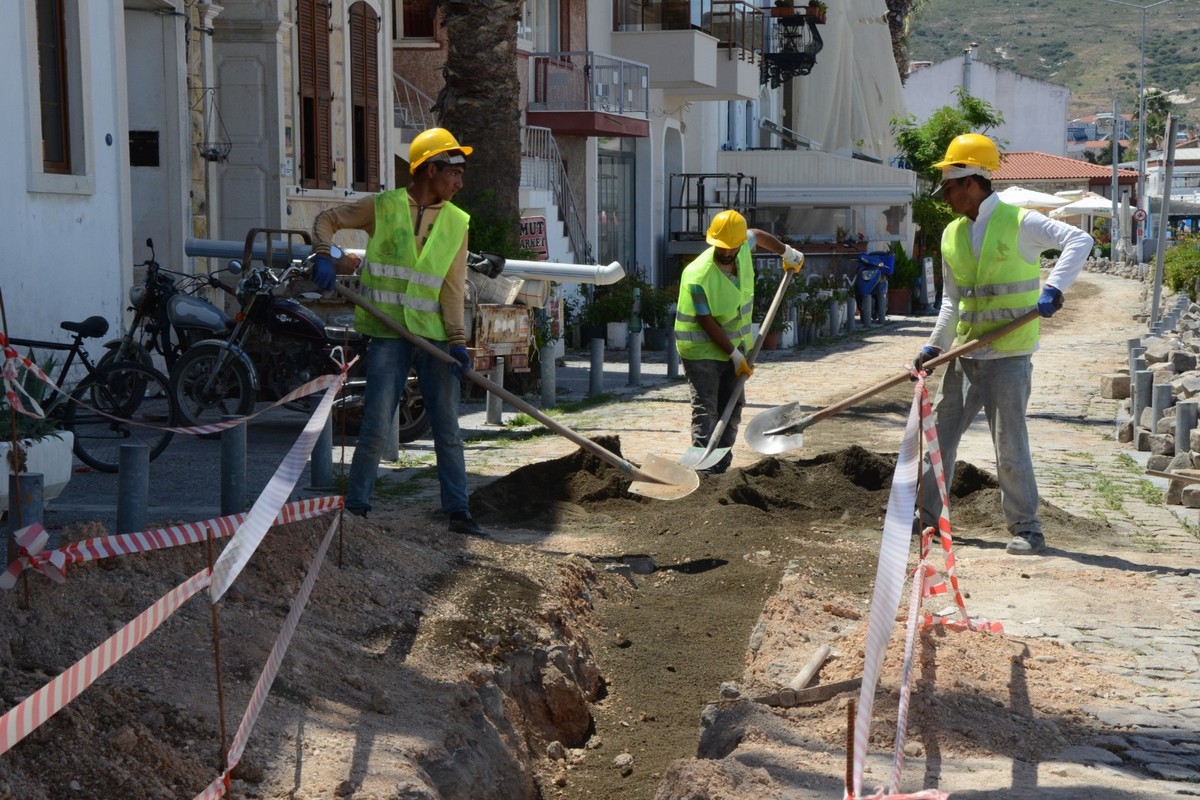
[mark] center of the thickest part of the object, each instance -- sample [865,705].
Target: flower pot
[899,301]
[783,11]
[771,341]
[50,456]
[617,334]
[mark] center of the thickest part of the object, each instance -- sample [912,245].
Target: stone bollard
[494,404]
[596,377]
[672,355]
[1160,401]
[635,358]
[1185,423]
[1143,380]
[233,468]
[321,460]
[549,378]
[851,312]
[133,485]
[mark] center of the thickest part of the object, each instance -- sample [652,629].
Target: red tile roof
[1029,165]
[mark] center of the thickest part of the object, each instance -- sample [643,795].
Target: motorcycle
[168,317]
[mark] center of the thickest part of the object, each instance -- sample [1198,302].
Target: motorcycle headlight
[137,293]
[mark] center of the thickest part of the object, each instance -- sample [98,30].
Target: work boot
[462,522]
[1026,543]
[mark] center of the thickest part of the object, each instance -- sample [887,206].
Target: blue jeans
[712,383]
[388,363]
[1001,388]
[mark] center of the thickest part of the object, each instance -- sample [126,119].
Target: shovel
[778,430]
[658,477]
[705,457]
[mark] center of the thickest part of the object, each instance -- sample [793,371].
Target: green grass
[1110,492]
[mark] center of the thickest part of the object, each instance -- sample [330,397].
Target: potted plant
[816,10]
[902,281]
[841,233]
[33,445]
[656,315]
[606,316]
[783,8]
[766,284]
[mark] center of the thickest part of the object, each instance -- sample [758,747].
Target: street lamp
[1143,203]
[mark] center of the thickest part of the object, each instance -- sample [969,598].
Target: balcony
[702,49]
[582,93]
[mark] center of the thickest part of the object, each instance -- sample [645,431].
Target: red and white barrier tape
[53,564]
[34,710]
[261,689]
[243,544]
[14,384]
[317,384]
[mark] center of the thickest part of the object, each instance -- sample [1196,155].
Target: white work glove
[793,259]
[740,365]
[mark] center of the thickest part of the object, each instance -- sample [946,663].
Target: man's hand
[1051,300]
[928,353]
[740,365]
[793,259]
[324,275]
[463,358]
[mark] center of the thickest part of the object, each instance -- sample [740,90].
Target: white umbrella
[1093,205]
[1029,198]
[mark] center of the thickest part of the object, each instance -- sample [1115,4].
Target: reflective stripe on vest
[730,305]
[402,283]
[996,288]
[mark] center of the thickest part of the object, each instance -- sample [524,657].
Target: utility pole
[1142,202]
[1114,224]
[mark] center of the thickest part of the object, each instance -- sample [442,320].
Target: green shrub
[1181,265]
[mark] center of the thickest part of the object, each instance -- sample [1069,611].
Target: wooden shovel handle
[944,358]
[498,390]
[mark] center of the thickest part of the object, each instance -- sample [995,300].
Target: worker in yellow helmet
[416,272]
[991,275]
[712,325]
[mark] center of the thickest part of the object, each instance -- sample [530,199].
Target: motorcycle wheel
[414,419]
[203,402]
[138,353]
[120,403]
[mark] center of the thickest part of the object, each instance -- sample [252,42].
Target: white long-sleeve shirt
[1036,234]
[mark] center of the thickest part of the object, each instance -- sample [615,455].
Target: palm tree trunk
[480,105]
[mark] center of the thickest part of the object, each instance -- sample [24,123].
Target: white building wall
[67,252]
[1035,112]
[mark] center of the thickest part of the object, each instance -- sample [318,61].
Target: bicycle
[116,403]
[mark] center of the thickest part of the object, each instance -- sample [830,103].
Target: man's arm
[1040,233]
[452,297]
[359,215]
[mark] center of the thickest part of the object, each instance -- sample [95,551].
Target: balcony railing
[542,168]
[735,24]
[580,80]
[411,106]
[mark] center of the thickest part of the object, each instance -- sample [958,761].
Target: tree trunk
[479,104]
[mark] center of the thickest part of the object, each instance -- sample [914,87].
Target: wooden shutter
[364,96]
[316,95]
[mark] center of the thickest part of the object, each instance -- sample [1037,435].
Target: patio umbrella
[1093,205]
[1029,198]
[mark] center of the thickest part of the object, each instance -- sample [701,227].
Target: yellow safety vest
[402,283]
[997,287]
[730,305]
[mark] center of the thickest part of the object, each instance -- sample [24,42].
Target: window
[412,19]
[364,97]
[52,71]
[539,26]
[316,142]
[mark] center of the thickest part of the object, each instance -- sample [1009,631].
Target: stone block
[1159,463]
[1142,438]
[1182,360]
[1125,432]
[1191,496]
[1162,444]
[1194,440]
[1114,387]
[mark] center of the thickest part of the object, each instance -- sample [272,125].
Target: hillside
[1090,47]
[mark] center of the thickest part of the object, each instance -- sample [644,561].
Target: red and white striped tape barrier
[261,689]
[53,563]
[34,710]
[14,384]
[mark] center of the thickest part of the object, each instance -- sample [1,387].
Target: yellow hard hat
[728,230]
[433,142]
[971,150]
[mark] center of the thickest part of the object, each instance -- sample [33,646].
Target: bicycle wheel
[204,397]
[120,403]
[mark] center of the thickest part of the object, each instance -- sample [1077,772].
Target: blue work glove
[928,353]
[1050,301]
[463,358]
[324,275]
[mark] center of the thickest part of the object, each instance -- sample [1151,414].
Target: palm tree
[480,105]
[1158,107]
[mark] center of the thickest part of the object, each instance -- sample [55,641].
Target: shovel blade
[759,432]
[678,481]
[702,457]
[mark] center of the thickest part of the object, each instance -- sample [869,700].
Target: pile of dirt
[435,666]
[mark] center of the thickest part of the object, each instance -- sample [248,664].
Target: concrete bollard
[233,468]
[321,470]
[1134,354]
[133,485]
[1143,381]
[1160,401]
[635,358]
[26,493]
[851,312]
[549,378]
[596,376]
[1185,423]
[672,355]
[494,404]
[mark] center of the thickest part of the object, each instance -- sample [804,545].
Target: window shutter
[364,96]
[316,119]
